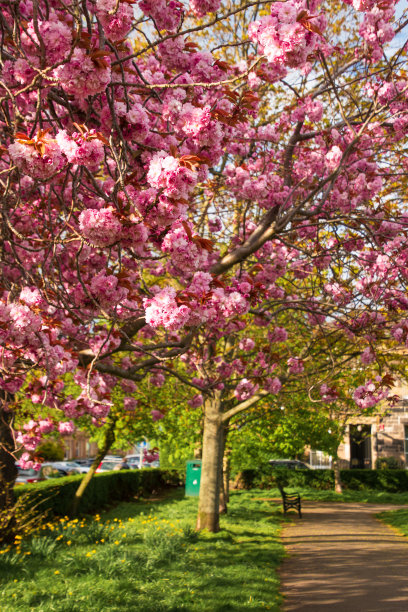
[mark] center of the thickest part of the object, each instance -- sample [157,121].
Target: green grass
[397,519]
[148,558]
[365,496]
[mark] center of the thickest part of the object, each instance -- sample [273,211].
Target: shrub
[267,477]
[162,545]
[51,451]
[55,497]
[23,518]
[391,480]
[387,463]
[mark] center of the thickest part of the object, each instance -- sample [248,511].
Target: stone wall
[387,435]
[391,433]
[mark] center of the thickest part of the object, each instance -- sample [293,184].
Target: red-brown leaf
[187,229]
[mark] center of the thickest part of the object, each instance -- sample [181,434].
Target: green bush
[391,480]
[266,477]
[51,451]
[55,497]
[387,463]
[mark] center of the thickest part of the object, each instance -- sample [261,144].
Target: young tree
[151,189]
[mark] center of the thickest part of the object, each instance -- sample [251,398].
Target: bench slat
[290,500]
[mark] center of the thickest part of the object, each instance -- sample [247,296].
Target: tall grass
[147,557]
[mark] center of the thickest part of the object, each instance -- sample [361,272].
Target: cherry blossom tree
[153,190]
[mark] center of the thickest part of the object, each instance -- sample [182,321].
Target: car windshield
[29,472]
[109,465]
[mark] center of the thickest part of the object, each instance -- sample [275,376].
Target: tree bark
[198,447]
[337,478]
[108,442]
[227,474]
[224,476]
[211,467]
[8,470]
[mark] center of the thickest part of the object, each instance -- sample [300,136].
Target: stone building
[79,446]
[384,435]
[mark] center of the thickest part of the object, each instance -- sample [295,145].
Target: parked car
[152,464]
[291,464]
[85,462]
[134,461]
[68,467]
[46,471]
[49,470]
[28,476]
[107,465]
[141,462]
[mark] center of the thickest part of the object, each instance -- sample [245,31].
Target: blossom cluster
[285,36]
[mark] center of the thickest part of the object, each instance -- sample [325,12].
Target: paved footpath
[342,559]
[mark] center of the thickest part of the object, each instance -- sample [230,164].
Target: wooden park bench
[290,500]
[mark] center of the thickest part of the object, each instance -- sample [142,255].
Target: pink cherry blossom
[30,160]
[165,172]
[163,310]
[245,389]
[101,227]
[296,365]
[196,401]
[273,385]
[66,428]
[82,76]
[201,7]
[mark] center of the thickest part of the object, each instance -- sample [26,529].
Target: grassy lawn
[397,519]
[369,496]
[145,557]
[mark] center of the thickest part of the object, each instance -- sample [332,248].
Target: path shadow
[344,561]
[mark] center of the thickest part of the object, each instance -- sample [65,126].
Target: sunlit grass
[147,557]
[397,519]
[365,496]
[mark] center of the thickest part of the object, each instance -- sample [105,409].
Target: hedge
[55,496]
[393,481]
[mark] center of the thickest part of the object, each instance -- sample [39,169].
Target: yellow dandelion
[56,572]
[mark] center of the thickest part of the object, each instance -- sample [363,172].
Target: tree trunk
[198,446]
[209,500]
[197,452]
[337,478]
[8,470]
[224,476]
[109,440]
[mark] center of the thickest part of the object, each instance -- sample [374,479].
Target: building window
[406,445]
[360,446]
[319,460]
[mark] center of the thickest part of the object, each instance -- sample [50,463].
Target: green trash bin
[193,477]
